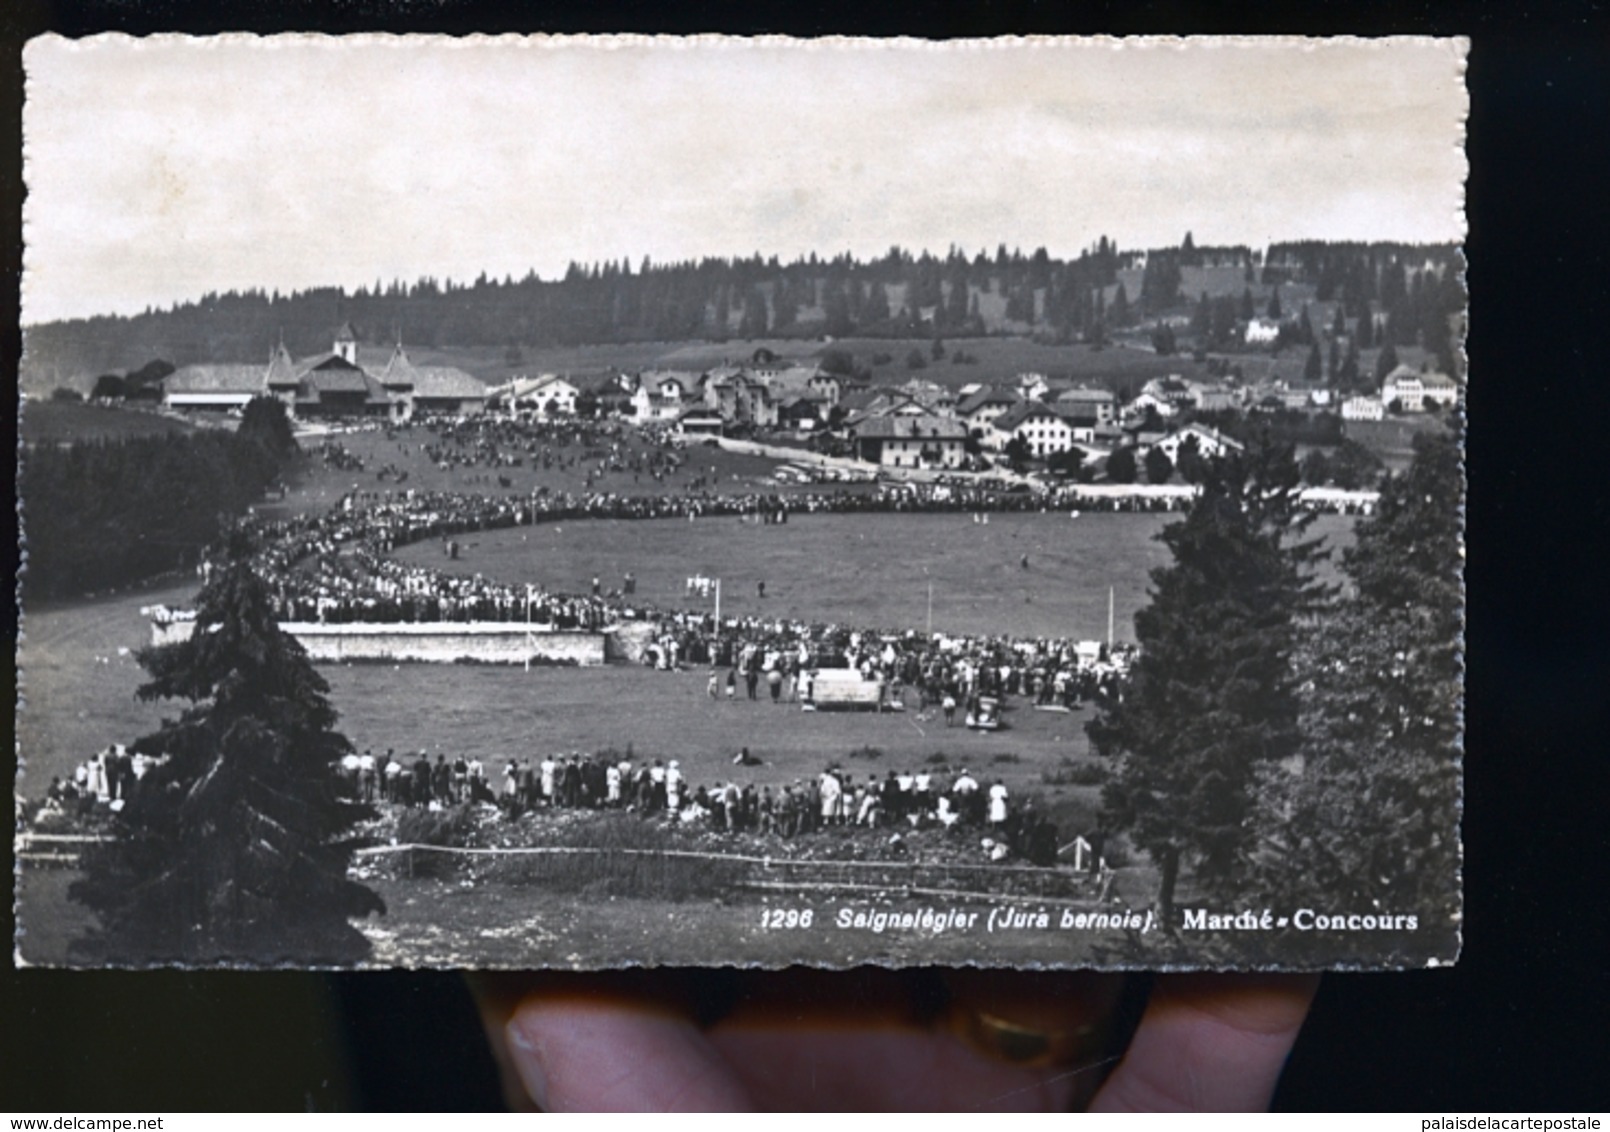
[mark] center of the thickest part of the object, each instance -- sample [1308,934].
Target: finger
[872,1039]
[1210,1043]
[596,1050]
[1061,1018]
[816,1065]
[499,994]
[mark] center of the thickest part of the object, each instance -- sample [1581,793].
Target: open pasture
[867,570]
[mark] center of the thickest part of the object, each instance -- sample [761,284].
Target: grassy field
[79,675]
[65,422]
[864,570]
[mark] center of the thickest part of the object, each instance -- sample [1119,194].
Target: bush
[866,752]
[1070,773]
[451,828]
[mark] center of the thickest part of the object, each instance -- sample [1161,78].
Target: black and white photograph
[587,502]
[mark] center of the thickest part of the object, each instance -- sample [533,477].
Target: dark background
[1519,1024]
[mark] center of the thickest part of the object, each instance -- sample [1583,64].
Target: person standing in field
[997,803]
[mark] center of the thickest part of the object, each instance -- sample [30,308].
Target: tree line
[900,294]
[100,514]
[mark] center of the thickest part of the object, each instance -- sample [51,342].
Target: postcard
[598,502]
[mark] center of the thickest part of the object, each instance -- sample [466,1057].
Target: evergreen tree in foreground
[235,849]
[1366,821]
[1212,696]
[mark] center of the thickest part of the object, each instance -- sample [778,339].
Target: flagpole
[930,607]
[528,628]
[1109,618]
[718,605]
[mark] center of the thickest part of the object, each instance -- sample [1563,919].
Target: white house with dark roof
[1045,431]
[664,395]
[978,410]
[1209,442]
[924,440]
[548,394]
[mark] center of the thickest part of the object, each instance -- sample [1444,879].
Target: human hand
[888,1040]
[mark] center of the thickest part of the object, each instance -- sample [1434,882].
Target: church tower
[346,344]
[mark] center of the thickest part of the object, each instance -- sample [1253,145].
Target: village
[823,401]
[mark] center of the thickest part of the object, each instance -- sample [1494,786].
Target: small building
[1210,397]
[1363,409]
[1209,442]
[212,386]
[701,422]
[1415,390]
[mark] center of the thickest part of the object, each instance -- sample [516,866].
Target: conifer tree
[1385,362]
[234,848]
[1366,820]
[1212,696]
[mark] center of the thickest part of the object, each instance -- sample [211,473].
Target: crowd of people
[658,789]
[110,777]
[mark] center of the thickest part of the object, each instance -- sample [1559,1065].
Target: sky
[158,170]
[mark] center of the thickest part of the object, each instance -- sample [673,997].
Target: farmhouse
[1046,431]
[1136,409]
[911,441]
[1212,397]
[931,396]
[1172,390]
[870,403]
[333,385]
[549,395]
[1087,408]
[1209,442]
[978,410]
[664,395]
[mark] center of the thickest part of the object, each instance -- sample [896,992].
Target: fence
[936,879]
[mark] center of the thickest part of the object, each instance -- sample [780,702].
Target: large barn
[338,384]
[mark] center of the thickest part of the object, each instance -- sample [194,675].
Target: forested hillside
[897,295]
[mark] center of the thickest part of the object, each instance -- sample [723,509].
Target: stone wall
[485,642]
